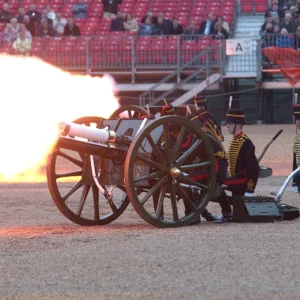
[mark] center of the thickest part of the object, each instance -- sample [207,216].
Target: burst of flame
[35,97]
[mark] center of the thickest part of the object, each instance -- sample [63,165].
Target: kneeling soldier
[211,125]
[221,166]
[243,164]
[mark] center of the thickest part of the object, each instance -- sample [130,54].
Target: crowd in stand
[281,27]
[20,28]
[159,25]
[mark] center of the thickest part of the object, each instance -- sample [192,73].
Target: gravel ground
[45,256]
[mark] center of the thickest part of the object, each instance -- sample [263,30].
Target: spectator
[275,20]
[50,12]
[148,27]
[297,4]
[22,44]
[268,38]
[284,41]
[275,11]
[276,29]
[80,10]
[297,19]
[27,34]
[190,33]
[59,23]
[167,24]
[207,27]
[21,14]
[153,18]
[9,34]
[110,8]
[220,32]
[221,20]
[161,28]
[45,29]
[293,11]
[177,28]
[297,39]
[35,15]
[268,20]
[130,24]
[29,25]
[288,23]
[44,17]
[117,24]
[15,25]
[71,29]
[5,14]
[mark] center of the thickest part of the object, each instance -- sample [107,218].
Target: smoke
[35,97]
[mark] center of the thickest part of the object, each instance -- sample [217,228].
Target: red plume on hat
[167,110]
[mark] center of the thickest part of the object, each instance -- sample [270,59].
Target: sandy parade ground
[43,255]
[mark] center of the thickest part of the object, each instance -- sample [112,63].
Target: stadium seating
[106,48]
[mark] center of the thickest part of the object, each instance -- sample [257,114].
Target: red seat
[261,7]
[126,54]
[228,18]
[188,49]
[37,51]
[228,10]
[143,53]
[171,53]
[247,7]
[157,52]
[200,4]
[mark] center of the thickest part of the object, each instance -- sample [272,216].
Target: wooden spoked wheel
[129,112]
[73,188]
[160,166]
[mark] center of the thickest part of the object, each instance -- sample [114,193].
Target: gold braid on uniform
[212,128]
[234,150]
[222,153]
[296,149]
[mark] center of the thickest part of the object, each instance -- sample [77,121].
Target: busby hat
[296,111]
[201,101]
[236,116]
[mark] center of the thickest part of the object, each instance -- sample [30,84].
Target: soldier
[207,118]
[221,167]
[168,109]
[243,164]
[296,150]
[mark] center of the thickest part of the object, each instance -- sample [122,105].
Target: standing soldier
[296,150]
[207,118]
[243,164]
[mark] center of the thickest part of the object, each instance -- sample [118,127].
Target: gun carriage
[98,166]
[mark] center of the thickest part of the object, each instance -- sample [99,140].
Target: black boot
[208,216]
[196,222]
[227,217]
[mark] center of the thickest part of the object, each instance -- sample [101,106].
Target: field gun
[97,167]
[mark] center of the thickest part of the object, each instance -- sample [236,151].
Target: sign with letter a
[238,47]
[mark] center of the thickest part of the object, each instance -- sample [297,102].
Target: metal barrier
[281,58]
[121,52]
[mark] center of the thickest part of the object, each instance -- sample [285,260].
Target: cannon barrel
[90,133]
